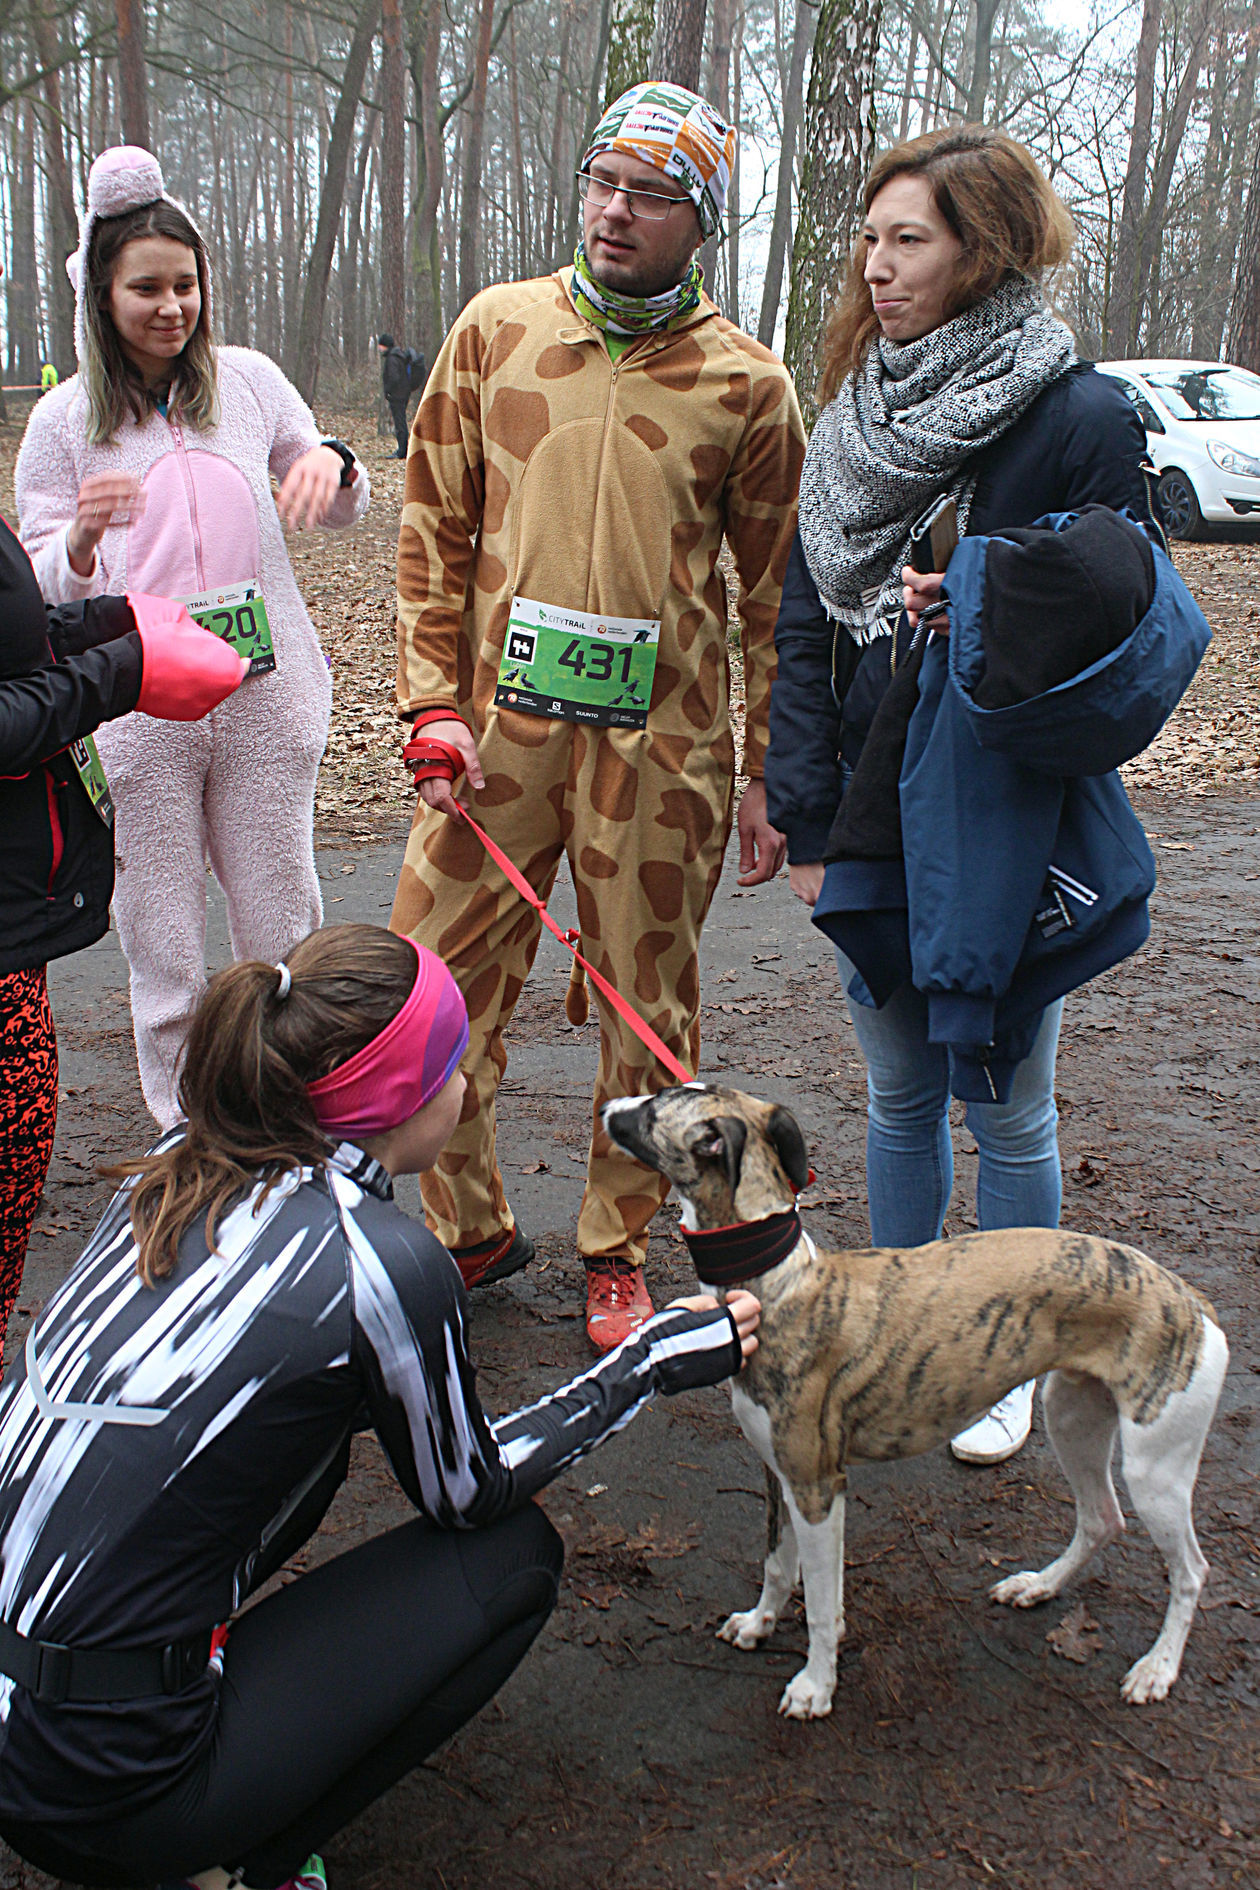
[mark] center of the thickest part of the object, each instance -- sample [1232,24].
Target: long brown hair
[995,198]
[114,386]
[250,1055]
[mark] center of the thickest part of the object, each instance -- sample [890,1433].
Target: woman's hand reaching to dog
[744,1310]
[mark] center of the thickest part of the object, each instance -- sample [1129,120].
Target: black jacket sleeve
[410,1348]
[74,628]
[43,712]
[802,764]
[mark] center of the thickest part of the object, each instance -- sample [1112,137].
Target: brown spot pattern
[558,362]
[665,885]
[517,420]
[648,431]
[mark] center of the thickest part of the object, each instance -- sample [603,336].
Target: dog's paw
[748,1629]
[1022,1591]
[1148,1679]
[805,1698]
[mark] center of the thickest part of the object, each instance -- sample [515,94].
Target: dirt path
[633,1751]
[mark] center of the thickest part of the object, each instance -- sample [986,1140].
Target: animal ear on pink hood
[125,177]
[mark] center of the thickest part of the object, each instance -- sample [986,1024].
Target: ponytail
[251,1053]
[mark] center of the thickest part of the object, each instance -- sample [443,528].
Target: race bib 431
[578,665]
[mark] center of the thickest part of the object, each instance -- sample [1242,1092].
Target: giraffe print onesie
[540,468]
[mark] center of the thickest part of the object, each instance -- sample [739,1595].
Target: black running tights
[333,1688]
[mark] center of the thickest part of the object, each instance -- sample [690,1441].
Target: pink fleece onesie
[237,789]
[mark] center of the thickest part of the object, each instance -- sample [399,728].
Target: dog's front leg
[821,1545]
[779,1576]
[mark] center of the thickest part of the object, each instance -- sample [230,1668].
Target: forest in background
[370,169]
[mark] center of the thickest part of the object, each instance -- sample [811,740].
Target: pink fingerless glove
[187,670]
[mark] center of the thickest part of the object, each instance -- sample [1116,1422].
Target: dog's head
[730,1156]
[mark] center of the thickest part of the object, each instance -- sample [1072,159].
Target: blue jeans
[909,1153]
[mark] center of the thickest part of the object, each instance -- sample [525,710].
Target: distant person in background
[151,470]
[402,374]
[48,378]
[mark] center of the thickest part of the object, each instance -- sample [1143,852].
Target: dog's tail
[577,999]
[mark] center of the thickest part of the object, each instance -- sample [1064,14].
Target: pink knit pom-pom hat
[126,177]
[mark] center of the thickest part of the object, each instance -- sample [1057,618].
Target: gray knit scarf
[904,430]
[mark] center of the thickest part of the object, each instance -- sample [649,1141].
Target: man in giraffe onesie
[585,441]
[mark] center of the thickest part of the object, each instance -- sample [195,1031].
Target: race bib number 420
[578,665]
[237,613]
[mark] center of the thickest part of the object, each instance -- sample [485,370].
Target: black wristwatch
[349,466]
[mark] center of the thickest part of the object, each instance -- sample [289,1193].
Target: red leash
[431,759]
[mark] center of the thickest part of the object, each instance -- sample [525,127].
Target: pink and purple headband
[404,1066]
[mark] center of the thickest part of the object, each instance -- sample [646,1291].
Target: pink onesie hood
[126,177]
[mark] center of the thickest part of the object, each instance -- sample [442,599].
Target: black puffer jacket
[62,673]
[1080,443]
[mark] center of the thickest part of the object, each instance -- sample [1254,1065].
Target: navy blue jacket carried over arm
[1025,870]
[1080,442]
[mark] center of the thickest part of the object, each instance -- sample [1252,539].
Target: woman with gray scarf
[944,374]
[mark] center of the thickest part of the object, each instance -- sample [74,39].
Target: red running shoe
[493,1259]
[617,1302]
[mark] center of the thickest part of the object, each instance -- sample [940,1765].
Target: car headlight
[1230,460]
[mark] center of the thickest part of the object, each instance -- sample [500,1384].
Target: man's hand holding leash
[431,770]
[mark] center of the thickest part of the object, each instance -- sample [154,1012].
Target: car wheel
[1179,505]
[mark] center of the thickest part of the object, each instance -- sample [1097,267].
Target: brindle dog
[884,1353]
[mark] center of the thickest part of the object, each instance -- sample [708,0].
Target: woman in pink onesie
[150,470]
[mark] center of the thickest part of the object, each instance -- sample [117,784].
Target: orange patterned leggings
[28,1119]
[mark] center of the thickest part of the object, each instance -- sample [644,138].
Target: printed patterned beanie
[680,135]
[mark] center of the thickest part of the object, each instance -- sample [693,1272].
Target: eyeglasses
[651,204]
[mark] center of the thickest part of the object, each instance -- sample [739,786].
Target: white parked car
[1202,421]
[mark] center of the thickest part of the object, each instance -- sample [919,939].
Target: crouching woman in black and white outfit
[182,1419]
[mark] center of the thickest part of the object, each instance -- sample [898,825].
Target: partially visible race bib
[577,665]
[237,613]
[87,763]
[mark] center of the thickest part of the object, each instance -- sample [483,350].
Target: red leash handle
[434,759]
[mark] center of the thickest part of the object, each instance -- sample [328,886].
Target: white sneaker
[1000,1432]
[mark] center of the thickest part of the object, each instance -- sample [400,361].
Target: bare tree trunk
[718,95]
[351,332]
[428,277]
[304,369]
[679,45]
[63,221]
[839,141]
[732,196]
[133,91]
[780,228]
[1244,309]
[1120,324]
[22,299]
[629,47]
[1174,131]
[907,90]
[982,58]
[558,193]
[474,138]
[393,171]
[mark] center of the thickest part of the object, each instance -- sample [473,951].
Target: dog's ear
[784,1134]
[722,1140]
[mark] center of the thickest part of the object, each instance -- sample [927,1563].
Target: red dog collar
[727,1256]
